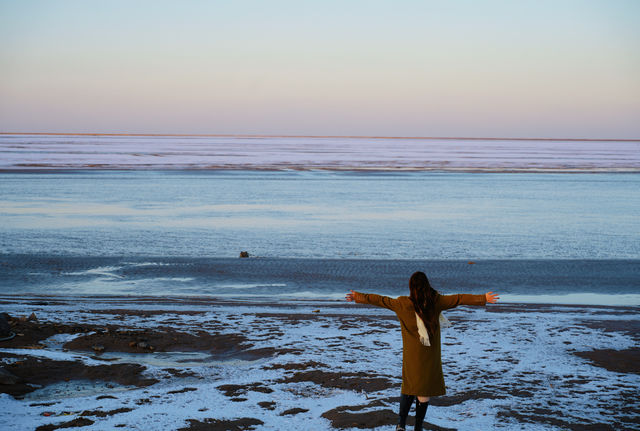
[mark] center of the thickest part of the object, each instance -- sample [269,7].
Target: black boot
[405,406]
[421,411]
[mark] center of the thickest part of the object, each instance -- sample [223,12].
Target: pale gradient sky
[394,68]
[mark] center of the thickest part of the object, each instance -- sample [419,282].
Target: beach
[206,363]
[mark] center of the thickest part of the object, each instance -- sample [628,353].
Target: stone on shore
[5,328]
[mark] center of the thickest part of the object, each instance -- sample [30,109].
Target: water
[286,278]
[318,234]
[322,215]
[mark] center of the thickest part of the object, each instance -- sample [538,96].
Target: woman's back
[421,365]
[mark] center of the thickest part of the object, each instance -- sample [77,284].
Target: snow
[489,351]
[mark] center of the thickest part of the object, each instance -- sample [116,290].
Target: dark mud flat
[210,424]
[354,381]
[121,338]
[621,361]
[32,372]
[74,423]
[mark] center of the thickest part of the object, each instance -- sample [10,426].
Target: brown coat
[421,365]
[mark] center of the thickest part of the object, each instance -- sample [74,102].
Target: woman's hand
[491,297]
[351,296]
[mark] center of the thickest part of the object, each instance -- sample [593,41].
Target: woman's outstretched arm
[372,299]
[450,301]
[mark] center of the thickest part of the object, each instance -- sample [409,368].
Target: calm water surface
[322,215]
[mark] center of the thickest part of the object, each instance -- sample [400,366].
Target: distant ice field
[303,153]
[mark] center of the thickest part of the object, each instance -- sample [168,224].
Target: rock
[142,345]
[269,405]
[99,348]
[77,422]
[244,254]
[5,328]
[293,411]
[7,378]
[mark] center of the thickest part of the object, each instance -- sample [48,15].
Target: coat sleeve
[377,300]
[451,301]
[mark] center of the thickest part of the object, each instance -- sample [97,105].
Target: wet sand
[333,363]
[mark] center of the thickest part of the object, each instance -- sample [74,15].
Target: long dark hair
[423,297]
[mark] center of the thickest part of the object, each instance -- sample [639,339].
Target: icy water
[316,234]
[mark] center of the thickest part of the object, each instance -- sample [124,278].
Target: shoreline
[266,300]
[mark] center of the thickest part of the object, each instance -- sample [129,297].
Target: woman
[419,315]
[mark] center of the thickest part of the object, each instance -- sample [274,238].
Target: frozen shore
[37,152]
[202,363]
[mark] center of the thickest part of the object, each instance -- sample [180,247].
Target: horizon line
[233,135]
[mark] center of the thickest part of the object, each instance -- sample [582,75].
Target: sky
[564,69]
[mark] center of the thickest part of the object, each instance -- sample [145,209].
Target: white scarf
[422,330]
